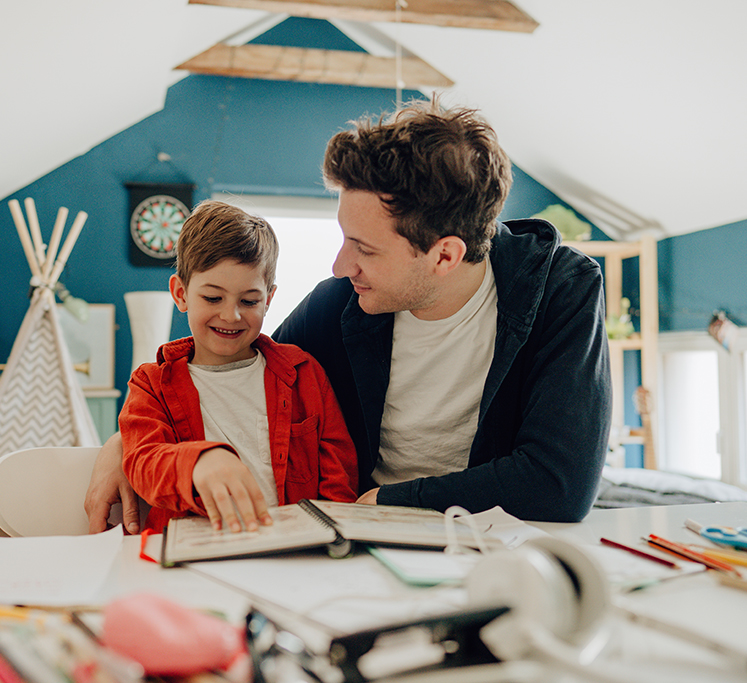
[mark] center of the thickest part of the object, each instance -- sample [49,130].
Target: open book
[310,524]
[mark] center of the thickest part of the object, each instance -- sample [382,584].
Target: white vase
[150,316]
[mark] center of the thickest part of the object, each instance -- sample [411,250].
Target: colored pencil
[738,557]
[639,553]
[687,553]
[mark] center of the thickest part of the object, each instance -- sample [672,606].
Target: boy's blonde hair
[216,231]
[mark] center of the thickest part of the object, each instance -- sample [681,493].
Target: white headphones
[561,613]
[556,593]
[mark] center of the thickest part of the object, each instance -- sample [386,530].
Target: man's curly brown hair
[439,172]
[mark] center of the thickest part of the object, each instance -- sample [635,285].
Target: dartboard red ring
[156,224]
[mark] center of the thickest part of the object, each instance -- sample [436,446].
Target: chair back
[42,491]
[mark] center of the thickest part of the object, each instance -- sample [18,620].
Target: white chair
[42,491]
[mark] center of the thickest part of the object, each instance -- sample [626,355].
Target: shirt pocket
[303,456]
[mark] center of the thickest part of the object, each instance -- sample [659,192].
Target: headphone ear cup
[549,584]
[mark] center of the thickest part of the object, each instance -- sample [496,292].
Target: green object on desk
[424,568]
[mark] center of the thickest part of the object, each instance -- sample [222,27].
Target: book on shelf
[311,524]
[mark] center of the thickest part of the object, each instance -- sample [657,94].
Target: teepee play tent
[41,401]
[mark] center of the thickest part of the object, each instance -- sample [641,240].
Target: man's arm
[109,486]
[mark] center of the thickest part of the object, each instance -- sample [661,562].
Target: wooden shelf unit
[646,341]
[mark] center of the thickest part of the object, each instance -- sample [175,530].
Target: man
[469,357]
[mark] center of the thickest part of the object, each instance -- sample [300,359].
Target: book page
[390,524]
[193,538]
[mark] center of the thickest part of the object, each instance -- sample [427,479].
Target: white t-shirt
[436,383]
[234,411]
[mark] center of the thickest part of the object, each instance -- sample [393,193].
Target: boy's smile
[226,306]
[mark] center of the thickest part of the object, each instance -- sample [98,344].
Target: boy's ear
[178,292]
[271,294]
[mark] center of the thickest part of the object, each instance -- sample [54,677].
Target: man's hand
[369,497]
[109,486]
[227,487]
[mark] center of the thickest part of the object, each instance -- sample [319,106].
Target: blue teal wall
[250,136]
[701,272]
[223,134]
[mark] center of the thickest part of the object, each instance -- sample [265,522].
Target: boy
[227,422]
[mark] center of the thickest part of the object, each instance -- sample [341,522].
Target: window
[689,395]
[702,412]
[309,237]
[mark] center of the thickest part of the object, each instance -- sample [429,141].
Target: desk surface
[627,525]
[697,602]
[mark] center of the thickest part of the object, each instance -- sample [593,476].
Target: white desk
[628,525]
[697,602]
[131,574]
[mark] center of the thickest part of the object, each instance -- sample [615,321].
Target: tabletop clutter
[476,609]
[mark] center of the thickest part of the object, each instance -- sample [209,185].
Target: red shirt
[163,434]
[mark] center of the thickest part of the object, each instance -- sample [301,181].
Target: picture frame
[91,344]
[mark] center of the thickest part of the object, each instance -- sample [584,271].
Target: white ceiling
[633,112]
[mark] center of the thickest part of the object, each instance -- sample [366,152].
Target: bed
[634,487]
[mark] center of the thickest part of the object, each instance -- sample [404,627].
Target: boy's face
[225,306]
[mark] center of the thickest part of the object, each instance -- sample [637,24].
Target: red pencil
[640,553]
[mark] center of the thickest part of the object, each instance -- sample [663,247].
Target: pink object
[168,639]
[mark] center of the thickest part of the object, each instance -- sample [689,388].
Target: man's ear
[448,253]
[178,292]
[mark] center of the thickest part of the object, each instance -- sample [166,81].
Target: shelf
[632,343]
[644,341]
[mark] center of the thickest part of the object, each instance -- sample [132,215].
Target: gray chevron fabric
[41,402]
[35,408]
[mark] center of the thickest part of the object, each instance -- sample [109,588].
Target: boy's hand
[226,487]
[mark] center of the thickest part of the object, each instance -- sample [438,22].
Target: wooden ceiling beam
[277,63]
[495,15]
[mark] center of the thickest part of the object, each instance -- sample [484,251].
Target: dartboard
[156,223]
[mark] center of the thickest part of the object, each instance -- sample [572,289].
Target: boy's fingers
[212,511]
[224,501]
[246,507]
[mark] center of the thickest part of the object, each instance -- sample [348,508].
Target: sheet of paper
[429,568]
[341,596]
[56,571]
[627,572]
[496,523]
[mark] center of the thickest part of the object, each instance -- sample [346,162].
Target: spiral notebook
[310,524]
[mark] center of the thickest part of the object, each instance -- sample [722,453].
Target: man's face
[388,274]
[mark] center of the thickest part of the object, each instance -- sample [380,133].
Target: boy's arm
[161,468]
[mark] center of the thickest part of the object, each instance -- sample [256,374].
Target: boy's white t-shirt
[436,383]
[234,411]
